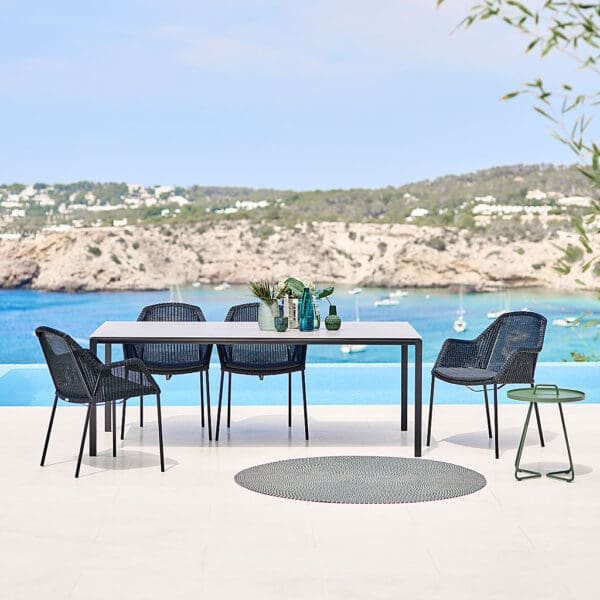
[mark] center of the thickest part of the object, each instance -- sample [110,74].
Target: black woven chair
[506,352]
[81,378]
[260,360]
[173,359]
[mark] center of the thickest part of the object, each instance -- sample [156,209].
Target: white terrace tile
[126,530]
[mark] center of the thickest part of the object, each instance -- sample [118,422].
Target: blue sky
[296,95]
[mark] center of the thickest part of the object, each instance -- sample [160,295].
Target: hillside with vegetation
[446,201]
[506,223]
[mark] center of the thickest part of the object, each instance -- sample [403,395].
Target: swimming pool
[331,383]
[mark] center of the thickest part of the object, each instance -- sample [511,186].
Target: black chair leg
[114,427]
[141,411]
[539,424]
[487,411]
[305,407]
[430,409]
[85,427]
[219,406]
[229,402]
[496,420]
[123,419]
[208,417]
[202,398]
[289,399]
[160,434]
[49,429]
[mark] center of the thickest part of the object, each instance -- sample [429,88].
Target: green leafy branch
[572,29]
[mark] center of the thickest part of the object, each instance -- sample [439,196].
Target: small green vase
[332,320]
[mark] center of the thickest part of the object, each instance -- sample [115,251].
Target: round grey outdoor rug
[361,479]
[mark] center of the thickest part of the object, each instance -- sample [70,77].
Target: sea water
[431,312]
[369,376]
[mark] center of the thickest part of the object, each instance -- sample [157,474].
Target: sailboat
[567,322]
[354,348]
[503,302]
[460,324]
[386,301]
[174,293]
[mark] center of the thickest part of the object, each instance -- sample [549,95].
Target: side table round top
[545,393]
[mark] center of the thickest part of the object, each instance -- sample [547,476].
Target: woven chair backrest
[258,354]
[63,357]
[171,311]
[243,312]
[171,355]
[515,331]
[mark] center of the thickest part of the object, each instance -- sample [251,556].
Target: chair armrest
[131,370]
[457,353]
[519,366]
[90,367]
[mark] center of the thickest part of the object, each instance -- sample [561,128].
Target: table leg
[418,395]
[518,470]
[570,472]
[107,406]
[92,423]
[404,389]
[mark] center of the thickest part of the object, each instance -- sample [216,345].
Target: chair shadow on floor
[509,439]
[124,461]
[271,431]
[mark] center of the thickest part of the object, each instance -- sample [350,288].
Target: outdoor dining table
[382,333]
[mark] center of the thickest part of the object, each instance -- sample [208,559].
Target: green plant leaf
[263,289]
[325,292]
[294,286]
[545,114]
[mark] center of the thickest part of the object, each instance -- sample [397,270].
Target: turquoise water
[432,313]
[331,383]
[369,377]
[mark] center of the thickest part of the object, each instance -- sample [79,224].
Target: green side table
[545,394]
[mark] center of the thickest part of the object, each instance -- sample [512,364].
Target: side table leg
[570,472]
[518,469]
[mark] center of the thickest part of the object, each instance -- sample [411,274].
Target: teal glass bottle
[307,311]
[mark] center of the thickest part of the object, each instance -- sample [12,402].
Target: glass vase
[307,311]
[317,312]
[333,320]
[267,311]
[290,310]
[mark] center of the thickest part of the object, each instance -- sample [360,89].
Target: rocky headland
[388,255]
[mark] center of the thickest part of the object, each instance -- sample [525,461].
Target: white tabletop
[218,332]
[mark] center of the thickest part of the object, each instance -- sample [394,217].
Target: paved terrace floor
[124,530]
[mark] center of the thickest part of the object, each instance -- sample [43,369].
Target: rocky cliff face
[358,254]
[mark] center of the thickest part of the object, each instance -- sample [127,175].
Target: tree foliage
[572,29]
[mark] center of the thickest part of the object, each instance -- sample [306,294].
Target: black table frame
[417,343]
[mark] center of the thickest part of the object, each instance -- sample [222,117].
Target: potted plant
[291,290]
[267,293]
